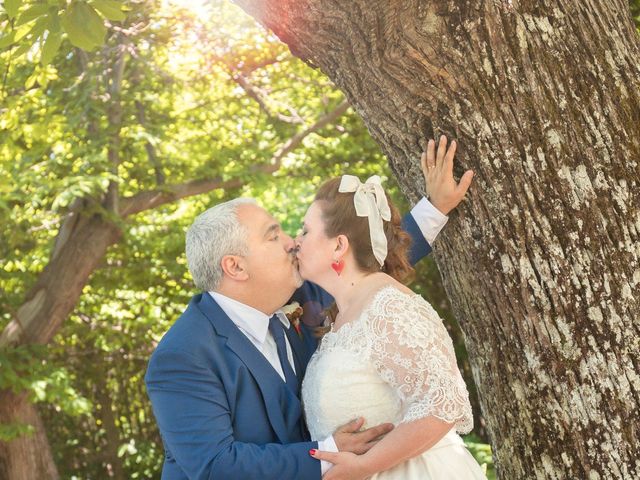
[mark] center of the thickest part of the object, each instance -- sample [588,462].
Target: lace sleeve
[412,351]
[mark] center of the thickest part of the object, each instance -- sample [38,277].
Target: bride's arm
[404,442]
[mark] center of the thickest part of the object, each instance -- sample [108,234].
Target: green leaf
[12,6]
[22,32]
[8,39]
[111,9]
[21,50]
[32,13]
[31,81]
[14,430]
[84,26]
[38,28]
[50,47]
[95,24]
[54,22]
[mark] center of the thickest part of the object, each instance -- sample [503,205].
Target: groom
[225,380]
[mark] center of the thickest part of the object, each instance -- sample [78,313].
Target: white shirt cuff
[327,445]
[430,220]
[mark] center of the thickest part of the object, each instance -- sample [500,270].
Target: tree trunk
[58,288]
[47,305]
[542,262]
[114,463]
[28,456]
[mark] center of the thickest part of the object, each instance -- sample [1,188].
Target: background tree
[542,262]
[201,96]
[97,140]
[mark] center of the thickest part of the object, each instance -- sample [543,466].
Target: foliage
[203,94]
[635,12]
[482,453]
[37,29]
[26,368]
[9,431]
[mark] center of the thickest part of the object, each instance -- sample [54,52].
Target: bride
[387,356]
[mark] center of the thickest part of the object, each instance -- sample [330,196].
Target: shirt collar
[248,319]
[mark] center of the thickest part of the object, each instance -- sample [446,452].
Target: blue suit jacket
[222,410]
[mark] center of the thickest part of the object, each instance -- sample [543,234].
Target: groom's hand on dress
[348,438]
[437,167]
[346,465]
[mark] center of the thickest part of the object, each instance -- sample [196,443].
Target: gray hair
[212,235]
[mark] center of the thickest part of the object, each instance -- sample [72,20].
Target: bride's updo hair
[340,218]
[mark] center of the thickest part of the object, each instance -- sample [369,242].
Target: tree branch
[152,199]
[260,97]
[151,151]
[249,68]
[297,139]
[114,116]
[69,224]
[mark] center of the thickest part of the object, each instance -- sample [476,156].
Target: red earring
[338,266]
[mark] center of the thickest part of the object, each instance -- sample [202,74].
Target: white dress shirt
[255,325]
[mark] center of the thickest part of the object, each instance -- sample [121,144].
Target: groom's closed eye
[273,232]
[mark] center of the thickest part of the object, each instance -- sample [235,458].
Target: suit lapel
[266,377]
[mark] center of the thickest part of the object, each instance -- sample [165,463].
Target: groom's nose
[289,243]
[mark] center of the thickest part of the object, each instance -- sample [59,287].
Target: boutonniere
[294,312]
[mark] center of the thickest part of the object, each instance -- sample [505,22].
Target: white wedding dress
[394,363]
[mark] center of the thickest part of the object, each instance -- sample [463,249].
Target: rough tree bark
[26,454]
[542,262]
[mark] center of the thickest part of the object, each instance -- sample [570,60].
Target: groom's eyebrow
[272,228]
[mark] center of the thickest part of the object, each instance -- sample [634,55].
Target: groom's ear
[234,267]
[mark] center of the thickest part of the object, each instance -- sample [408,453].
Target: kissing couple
[241,392]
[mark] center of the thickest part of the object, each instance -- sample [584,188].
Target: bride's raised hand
[437,167]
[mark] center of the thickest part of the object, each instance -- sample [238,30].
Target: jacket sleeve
[420,248]
[193,414]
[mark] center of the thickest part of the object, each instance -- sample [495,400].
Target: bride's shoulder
[391,295]
[393,303]
[382,284]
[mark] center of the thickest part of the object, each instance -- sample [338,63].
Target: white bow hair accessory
[370,201]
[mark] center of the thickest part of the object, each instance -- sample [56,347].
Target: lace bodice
[394,363]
